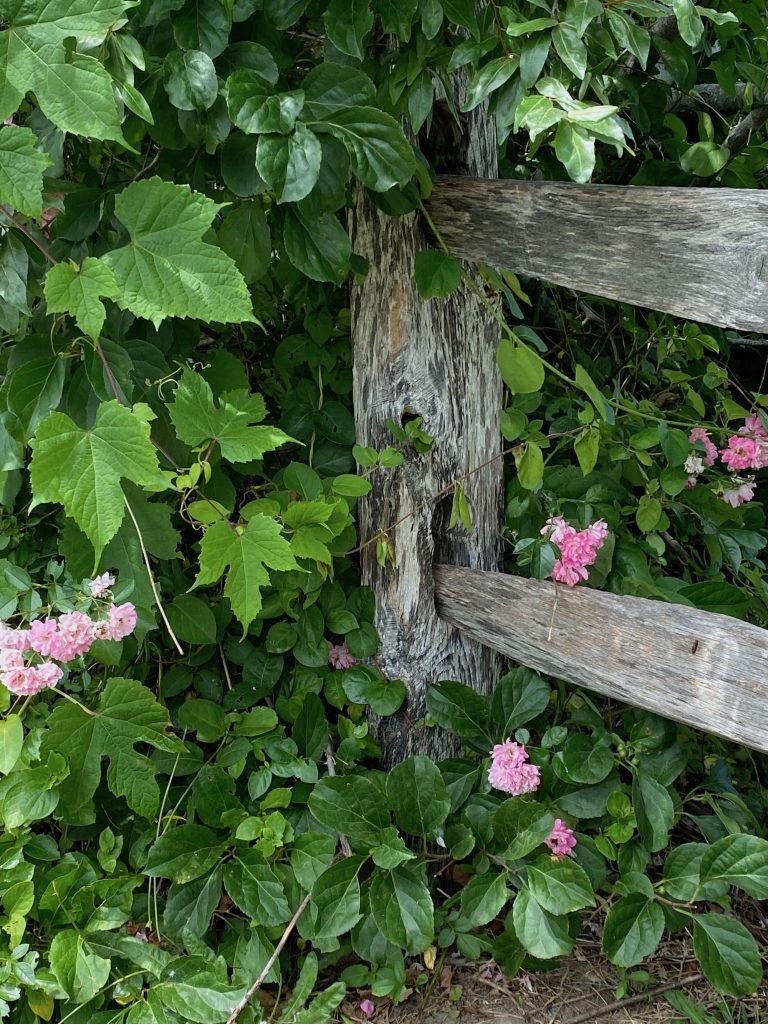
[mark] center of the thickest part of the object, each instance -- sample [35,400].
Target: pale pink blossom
[339,657]
[367,1008]
[102,630]
[122,620]
[10,658]
[578,548]
[561,839]
[75,636]
[509,771]
[23,681]
[740,453]
[753,426]
[700,434]
[14,639]
[43,636]
[47,674]
[101,585]
[690,483]
[736,496]
[694,464]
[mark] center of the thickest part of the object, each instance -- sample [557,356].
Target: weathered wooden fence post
[434,359]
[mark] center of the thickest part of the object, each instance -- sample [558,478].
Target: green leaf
[530,466]
[521,825]
[190,80]
[255,108]
[571,48]
[648,513]
[560,885]
[351,805]
[584,759]
[402,907]
[256,889]
[192,620]
[520,695]
[189,907]
[488,79]
[229,420]
[33,389]
[73,90]
[11,742]
[391,851]
[705,158]
[127,714]
[740,860]
[244,235]
[21,170]
[365,686]
[418,796]
[458,708]
[521,368]
[654,810]
[436,274]
[590,389]
[184,853]
[290,164]
[689,21]
[80,972]
[351,486]
[198,990]
[167,270]
[575,149]
[336,897]
[347,22]
[317,246]
[82,469]
[246,551]
[587,448]
[311,854]
[632,929]
[379,152]
[543,934]
[203,25]
[78,290]
[728,954]
[682,874]
[483,898]
[202,717]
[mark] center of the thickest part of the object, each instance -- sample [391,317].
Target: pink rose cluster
[748,449]
[340,658]
[28,656]
[578,548]
[511,773]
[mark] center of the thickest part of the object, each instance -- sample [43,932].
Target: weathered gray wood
[704,669]
[433,359]
[700,253]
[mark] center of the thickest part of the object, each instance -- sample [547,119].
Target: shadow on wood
[700,253]
[704,669]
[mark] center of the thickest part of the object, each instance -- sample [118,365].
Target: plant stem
[152,583]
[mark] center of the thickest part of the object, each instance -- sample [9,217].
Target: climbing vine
[192,802]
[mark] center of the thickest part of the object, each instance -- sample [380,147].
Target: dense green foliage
[176,397]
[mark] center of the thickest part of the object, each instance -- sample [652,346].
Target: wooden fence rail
[700,253]
[701,668]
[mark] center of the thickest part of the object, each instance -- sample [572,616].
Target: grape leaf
[199,418]
[127,714]
[82,469]
[246,551]
[167,270]
[78,290]
[73,90]
[21,170]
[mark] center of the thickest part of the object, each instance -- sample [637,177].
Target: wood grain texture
[704,669]
[700,253]
[434,359]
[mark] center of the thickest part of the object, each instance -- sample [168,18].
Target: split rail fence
[444,610]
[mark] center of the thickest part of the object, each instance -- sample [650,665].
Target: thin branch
[741,133]
[152,583]
[268,966]
[20,226]
[590,1015]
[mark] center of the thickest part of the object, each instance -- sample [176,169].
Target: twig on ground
[268,966]
[621,1004]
